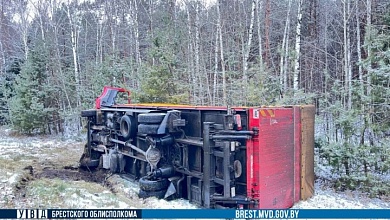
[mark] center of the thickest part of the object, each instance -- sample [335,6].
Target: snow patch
[13,179]
[327,199]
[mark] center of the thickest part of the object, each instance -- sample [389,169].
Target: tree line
[55,58]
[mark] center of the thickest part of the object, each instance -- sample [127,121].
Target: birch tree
[247,49]
[297,47]
[41,8]
[74,33]
[133,6]
[359,48]
[197,52]
[100,29]
[24,24]
[284,51]
[369,51]
[267,32]
[190,59]
[259,34]
[112,19]
[347,54]
[215,77]
[2,48]
[219,27]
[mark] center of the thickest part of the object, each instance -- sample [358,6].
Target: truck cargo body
[216,157]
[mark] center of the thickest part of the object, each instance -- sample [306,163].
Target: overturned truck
[216,157]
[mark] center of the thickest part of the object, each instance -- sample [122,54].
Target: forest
[56,56]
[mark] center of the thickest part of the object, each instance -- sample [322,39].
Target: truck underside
[216,157]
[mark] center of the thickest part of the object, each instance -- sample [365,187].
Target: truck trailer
[258,157]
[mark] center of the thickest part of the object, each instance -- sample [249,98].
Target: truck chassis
[216,157]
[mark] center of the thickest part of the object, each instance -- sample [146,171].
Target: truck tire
[153,185]
[158,194]
[88,113]
[151,118]
[127,127]
[148,129]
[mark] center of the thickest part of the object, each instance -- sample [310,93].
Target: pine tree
[158,83]
[7,88]
[378,68]
[29,110]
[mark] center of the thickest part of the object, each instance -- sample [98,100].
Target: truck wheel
[153,185]
[88,113]
[148,129]
[158,194]
[151,118]
[127,127]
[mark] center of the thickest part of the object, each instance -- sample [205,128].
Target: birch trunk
[284,51]
[215,79]
[197,56]
[190,58]
[359,48]
[25,40]
[369,52]
[369,55]
[24,26]
[113,24]
[259,7]
[347,54]
[74,38]
[345,47]
[297,47]
[97,44]
[326,55]
[248,49]
[135,27]
[267,27]
[224,95]
[2,48]
[3,60]
[151,28]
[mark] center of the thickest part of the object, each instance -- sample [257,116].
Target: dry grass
[21,190]
[57,193]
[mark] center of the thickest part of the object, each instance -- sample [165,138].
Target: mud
[67,173]
[23,182]
[73,174]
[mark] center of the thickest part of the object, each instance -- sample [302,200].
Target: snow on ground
[130,190]
[55,152]
[325,198]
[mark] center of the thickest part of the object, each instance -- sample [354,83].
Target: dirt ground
[42,172]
